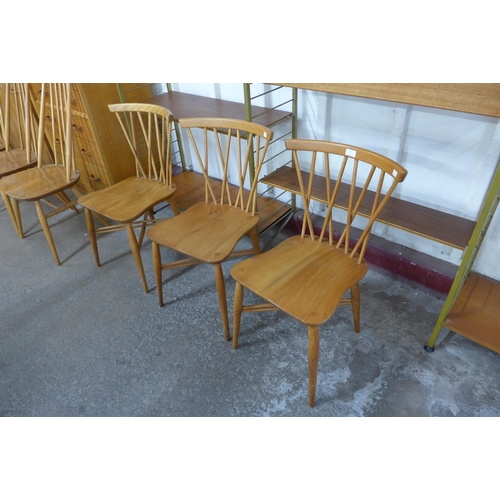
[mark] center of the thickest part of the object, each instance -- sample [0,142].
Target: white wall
[450,156]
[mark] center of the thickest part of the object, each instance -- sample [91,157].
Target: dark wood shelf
[434,224]
[183,105]
[476,312]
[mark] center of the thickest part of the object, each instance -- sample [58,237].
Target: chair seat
[36,183]
[304,278]
[14,160]
[206,232]
[127,200]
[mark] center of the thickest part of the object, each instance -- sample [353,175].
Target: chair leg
[313,333]
[136,251]
[158,272]
[46,230]
[254,238]
[12,207]
[238,309]
[151,216]
[174,206]
[221,291]
[356,306]
[91,231]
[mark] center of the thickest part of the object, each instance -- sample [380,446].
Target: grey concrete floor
[78,340]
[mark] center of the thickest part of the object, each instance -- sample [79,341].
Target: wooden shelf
[191,190]
[183,105]
[436,225]
[477,98]
[476,312]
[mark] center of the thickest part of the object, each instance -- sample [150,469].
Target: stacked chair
[17,126]
[47,180]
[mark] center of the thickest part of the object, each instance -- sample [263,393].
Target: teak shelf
[191,106]
[427,222]
[476,312]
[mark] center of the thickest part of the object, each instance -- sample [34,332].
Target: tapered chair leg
[254,238]
[136,251]
[174,206]
[46,230]
[221,292]
[238,309]
[313,333]
[89,220]
[12,207]
[158,272]
[356,306]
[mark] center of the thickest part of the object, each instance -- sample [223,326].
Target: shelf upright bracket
[248,117]
[486,214]
[178,135]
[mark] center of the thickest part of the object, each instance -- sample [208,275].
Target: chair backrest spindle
[232,151]
[147,129]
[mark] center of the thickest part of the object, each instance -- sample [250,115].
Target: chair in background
[17,129]
[47,180]
[148,131]
[307,276]
[207,232]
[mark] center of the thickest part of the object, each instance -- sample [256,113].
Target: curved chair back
[224,142]
[17,126]
[148,129]
[347,177]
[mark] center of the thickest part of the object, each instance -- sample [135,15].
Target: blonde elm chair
[148,129]
[230,154]
[307,276]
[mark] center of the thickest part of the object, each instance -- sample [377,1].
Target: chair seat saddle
[304,278]
[36,183]
[127,200]
[207,232]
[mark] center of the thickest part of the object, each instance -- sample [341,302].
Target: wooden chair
[17,147]
[148,130]
[307,276]
[207,232]
[41,183]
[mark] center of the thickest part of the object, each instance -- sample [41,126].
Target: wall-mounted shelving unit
[472,307]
